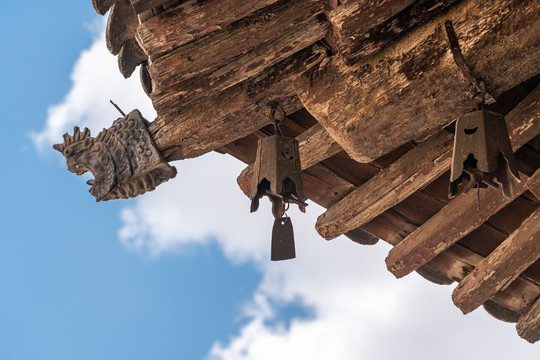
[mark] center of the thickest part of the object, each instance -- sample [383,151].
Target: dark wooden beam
[416,80]
[501,267]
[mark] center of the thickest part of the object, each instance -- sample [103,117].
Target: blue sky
[183,272]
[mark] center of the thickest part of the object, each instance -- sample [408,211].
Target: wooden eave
[370,90]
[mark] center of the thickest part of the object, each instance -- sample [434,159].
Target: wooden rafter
[457,219]
[415,170]
[501,267]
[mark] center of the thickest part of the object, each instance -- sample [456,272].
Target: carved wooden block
[123,159]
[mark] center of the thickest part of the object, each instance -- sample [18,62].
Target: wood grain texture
[528,326]
[189,131]
[191,20]
[501,267]
[169,73]
[416,80]
[416,169]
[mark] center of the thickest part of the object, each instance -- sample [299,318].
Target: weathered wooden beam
[314,145]
[121,25]
[501,267]
[389,187]
[192,20]
[211,52]
[169,72]
[416,79]
[416,169]
[191,131]
[457,219]
[375,24]
[141,6]
[528,326]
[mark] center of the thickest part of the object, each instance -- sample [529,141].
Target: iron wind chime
[277,174]
[482,153]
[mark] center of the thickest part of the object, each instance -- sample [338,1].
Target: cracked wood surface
[416,81]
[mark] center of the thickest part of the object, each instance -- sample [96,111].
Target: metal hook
[274,109]
[486,97]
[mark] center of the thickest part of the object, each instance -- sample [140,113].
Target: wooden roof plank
[202,54]
[528,326]
[501,267]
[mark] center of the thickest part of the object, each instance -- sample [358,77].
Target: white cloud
[359,310]
[96,80]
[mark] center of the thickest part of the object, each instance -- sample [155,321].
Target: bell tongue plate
[282,240]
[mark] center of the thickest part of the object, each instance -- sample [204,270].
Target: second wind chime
[277,174]
[482,150]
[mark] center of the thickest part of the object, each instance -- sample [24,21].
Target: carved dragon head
[83,153]
[123,159]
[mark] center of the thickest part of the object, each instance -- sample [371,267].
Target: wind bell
[277,174]
[482,150]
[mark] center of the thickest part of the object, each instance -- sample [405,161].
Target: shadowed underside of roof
[371,91]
